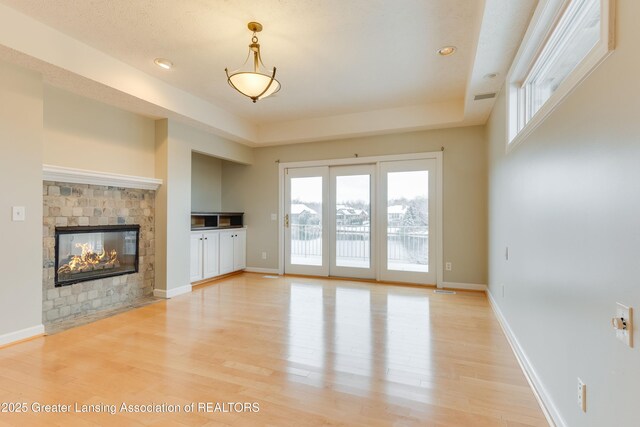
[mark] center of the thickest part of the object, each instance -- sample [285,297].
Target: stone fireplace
[104,239]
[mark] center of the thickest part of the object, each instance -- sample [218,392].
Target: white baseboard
[465,286]
[261,270]
[22,334]
[549,409]
[174,292]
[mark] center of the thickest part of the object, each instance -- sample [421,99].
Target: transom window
[565,41]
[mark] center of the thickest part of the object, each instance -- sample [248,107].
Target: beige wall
[86,134]
[206,183]
[254,190]
[567,203]
[20,185]
[174,145]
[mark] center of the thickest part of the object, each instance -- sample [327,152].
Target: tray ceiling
[340,62]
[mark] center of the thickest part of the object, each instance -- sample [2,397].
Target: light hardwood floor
[308,351]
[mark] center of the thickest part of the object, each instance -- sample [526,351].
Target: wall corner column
[173,199]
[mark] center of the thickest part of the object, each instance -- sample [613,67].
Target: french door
[306,231]
[407,221]
[372,221]
[351,219]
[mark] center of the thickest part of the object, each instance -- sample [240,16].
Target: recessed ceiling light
[163,63]
[491,75]
[447,50]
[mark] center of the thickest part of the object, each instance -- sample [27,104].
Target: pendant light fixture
[258,82]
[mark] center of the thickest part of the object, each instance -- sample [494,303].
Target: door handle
[286,221]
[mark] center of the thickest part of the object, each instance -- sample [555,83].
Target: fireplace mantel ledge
[81,176]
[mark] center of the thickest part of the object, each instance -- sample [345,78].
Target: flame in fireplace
[90,260]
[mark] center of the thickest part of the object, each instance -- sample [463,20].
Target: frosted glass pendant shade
[254,85]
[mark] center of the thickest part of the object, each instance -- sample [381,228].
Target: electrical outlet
[447,266]
[623,324]
[582,395]
[264,255]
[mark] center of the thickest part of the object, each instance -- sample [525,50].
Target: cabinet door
[226,251]
[210,256]
[196,257]
[239,250]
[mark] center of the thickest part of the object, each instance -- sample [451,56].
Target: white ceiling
[347,67]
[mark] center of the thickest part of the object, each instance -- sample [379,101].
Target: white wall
[567,203]
[206,183]
[20,185]
[86,134]
[254,190]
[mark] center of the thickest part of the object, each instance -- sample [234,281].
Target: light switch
[274,217]
[18,213]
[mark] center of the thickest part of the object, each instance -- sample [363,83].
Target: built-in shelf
[216,220]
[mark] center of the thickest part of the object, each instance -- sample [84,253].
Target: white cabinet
[210,254]
[226,251]
[196,248]
[232,250]
[204,249]
[240,250]
[217,252]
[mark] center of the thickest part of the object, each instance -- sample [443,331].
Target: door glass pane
[408,221]
[306,220]
[353,226]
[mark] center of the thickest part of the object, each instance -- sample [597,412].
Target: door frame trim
[437,155]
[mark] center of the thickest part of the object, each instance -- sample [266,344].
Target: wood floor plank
[309,352]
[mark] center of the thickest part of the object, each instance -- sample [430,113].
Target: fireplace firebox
[91,253]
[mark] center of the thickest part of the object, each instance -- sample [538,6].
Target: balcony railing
[407,244]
